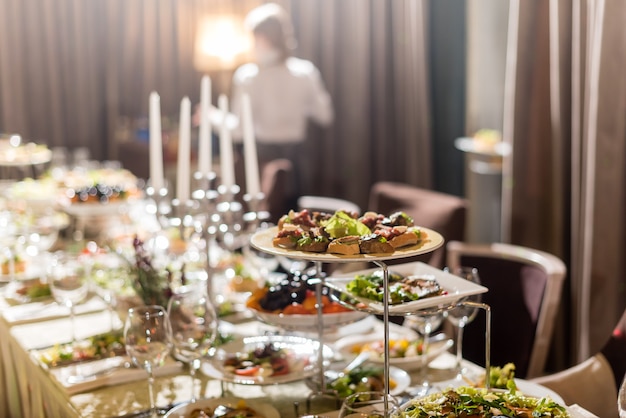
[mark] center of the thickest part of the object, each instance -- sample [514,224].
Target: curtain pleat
[570,201]
[83,69]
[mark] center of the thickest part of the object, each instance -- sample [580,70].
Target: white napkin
[33,312]
[119,373]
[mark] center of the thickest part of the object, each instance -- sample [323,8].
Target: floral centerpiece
[152,285]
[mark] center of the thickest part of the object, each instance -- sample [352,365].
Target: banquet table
[29,390]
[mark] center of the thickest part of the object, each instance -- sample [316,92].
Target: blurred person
[285,92]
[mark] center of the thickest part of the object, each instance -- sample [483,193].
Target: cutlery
[99,372]
[356,362]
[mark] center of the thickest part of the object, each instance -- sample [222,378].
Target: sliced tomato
[248,371]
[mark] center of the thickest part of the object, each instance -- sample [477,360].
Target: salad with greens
[401,288]
[472,402]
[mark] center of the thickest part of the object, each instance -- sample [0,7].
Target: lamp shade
[222,43]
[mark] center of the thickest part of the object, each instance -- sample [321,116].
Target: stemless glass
[374,404]
[68,283]
[462,315]
[148,340]
[194,327]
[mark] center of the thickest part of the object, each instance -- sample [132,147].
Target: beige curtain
[71,71]
[565,182]
[51,74]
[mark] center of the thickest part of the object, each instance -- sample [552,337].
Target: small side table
[483,188]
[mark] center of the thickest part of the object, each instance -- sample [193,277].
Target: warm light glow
[222,43]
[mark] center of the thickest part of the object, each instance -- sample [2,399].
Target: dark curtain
[373,57]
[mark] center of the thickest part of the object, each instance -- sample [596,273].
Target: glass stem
[424,369]
[459,347]
[153,411]
[73,323]
[193,366]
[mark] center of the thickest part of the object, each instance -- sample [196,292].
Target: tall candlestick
[204,148]
[253,184]
[156,143]
[226,146]
[182,173]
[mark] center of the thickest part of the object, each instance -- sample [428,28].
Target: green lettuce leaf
[341,225]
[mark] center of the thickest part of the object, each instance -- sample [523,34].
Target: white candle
[226,146]
[204,147]
[182,173]
[156,143]
[253,183]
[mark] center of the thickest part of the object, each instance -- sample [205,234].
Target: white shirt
[283,98]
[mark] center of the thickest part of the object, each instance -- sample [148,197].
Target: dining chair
[441,212]
[594,383]
[275,176]
[524,295]
[327,204]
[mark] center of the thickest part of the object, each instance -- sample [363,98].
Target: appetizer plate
[401,378]
[524,407]
[349,347]
[184,410]
[31,272]
[262,240]
[455,288]
[527,387]
[95,209]
[309,323]
[301,352]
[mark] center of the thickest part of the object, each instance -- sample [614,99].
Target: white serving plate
[401,378]
[309,323]
[526,387]
[345,346]
[184,410]
[89,209]
[456,288]
[32,271]
[262,240]
[304,350]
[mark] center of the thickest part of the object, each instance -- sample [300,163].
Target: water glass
[463,314]
[194,327]
[67,278]
[148,340]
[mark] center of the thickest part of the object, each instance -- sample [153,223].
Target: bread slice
[348,245]
[375,244]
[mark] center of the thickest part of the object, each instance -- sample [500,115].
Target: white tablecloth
[29,390]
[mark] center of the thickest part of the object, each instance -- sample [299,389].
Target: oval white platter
[262,240]
[184,410]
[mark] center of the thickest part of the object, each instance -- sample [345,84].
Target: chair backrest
[524,294]
[274,183]
[327,204]
[442,212]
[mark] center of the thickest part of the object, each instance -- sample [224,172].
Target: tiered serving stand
[262,240]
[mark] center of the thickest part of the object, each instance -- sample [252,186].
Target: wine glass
[261,261]
[109,275]
[373,404]
[425,322]
[462,314]
[68,283]
[148,340]
[194,327]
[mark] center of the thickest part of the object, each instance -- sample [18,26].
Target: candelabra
[213,217]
